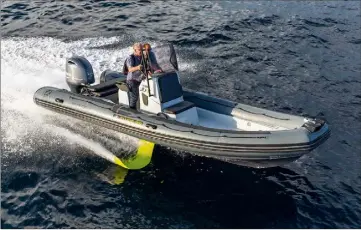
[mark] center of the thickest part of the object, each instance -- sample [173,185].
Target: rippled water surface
[300,57]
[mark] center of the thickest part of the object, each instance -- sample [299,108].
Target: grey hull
[249,148]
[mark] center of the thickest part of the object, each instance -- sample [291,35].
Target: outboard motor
[79,72]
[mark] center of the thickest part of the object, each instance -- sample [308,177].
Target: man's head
[146,47]
[137,48]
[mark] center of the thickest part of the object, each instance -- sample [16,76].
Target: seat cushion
[169,87]
[180,107]
[106,85]
[123,86]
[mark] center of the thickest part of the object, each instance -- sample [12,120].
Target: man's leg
[133,93]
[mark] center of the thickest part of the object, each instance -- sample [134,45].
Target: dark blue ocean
[297,57]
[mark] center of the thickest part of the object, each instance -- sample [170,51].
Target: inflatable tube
[288,137]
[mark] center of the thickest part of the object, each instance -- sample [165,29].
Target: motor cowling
[79,73]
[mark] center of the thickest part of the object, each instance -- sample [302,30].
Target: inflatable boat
[169,115]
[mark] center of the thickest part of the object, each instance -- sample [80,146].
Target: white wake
[30,63]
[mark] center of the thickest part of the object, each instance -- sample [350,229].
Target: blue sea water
[299,57]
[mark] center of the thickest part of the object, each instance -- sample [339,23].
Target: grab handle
[151,126]
[59,100]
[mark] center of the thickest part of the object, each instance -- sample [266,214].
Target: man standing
[135,75]
[154,67]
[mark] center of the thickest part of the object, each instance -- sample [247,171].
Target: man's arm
[131,67]
[135,68]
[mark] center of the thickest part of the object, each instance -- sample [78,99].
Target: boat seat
[106,85]
[106,92]
[123,86]
[108,75]
[179,107]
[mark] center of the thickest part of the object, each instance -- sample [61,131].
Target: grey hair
[137,44]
